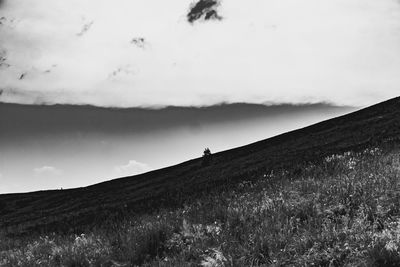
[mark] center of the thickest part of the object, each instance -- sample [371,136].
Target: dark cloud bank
[20,121]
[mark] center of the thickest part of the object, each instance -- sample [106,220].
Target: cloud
[3,58]
[131,168]
[47,170]
[139,42]
[85,28]
[204,9]
[23,96]
[345,52]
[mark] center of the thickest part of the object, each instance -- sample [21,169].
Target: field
[341,211]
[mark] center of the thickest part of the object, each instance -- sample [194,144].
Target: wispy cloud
[131,168]
[85,28]
[47,170]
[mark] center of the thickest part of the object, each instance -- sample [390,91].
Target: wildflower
[213,258]
[391,246]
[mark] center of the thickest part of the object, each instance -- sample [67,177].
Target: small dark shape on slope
[22,76]
[205,9]
[206,157]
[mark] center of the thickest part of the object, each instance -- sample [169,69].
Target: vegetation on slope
[342,210]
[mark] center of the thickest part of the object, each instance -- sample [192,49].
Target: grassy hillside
[78,209]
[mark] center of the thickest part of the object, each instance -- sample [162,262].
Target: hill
[76,209]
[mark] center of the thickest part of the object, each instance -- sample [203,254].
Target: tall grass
[342,211]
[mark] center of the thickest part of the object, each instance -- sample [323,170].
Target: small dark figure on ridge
[206,157]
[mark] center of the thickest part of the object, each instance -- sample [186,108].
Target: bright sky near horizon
[145,52]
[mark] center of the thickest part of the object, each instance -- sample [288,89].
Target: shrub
[206,157]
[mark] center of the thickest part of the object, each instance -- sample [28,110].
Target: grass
[342,210]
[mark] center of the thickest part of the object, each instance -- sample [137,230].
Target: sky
[64,146]
[92,90]
[146,53]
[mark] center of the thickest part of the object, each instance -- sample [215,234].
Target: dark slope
[62,209]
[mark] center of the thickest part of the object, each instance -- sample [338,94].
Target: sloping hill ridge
[74,208]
